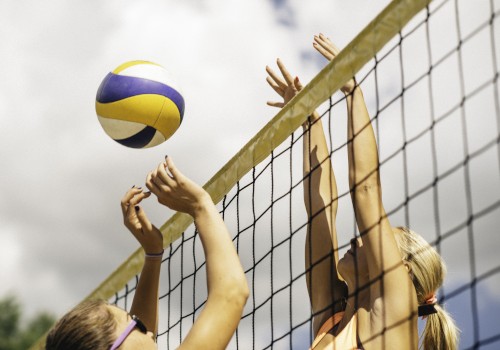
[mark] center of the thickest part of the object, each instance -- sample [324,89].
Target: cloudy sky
[61,230]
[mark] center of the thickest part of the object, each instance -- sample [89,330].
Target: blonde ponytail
[440,332]
[427,271]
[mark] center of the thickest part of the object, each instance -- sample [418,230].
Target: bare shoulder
[390,324]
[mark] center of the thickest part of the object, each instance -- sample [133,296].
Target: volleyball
[138,105]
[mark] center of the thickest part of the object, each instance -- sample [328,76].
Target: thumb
[143,219]
[297,83]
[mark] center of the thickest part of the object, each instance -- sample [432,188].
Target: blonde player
[372,296]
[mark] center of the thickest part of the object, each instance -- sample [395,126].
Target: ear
[408,267]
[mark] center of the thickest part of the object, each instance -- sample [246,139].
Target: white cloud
[10,255]
[62,177]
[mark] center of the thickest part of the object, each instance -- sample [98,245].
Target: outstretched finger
[146,225]
[163,176]
[329,44]
[275,86]
[284,71]
[326,54]
[276,104]
[277,79]
[325,46]
[151,185]
[176,174]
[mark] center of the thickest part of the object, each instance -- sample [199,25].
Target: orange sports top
[345,340]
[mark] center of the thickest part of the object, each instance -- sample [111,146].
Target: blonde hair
[427,271]
[90,325]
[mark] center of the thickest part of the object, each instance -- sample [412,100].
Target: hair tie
[432,299]
[428,308]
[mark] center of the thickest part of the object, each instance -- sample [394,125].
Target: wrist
[350,87]
[202,205]
[154,256]
[310,121]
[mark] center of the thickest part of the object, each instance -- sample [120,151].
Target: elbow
[239,294]
[233,294]
[366,194]
[367,188]
[235,299]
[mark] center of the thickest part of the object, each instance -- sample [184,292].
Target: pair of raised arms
[227,286]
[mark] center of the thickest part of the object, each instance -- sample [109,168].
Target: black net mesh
[433,96]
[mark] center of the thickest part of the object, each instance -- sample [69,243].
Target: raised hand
[175,190]
[286,86]
[328,49]
[136,221]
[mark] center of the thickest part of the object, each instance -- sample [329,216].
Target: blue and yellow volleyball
[138,104]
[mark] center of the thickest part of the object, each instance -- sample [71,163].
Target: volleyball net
[429,73]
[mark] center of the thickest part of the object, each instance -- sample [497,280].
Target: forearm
[362,146]
[320,188]
[224,271]
[145,303]
[364,182]
[227,286]
[321,202]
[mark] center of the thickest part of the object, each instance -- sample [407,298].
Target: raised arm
[326,288]
[319,178]
[226,282]
[383,256]
[145,303]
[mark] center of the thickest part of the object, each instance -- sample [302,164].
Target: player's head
[427,271]
[90,325]
[131,332]
[425,266]
[97,325]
